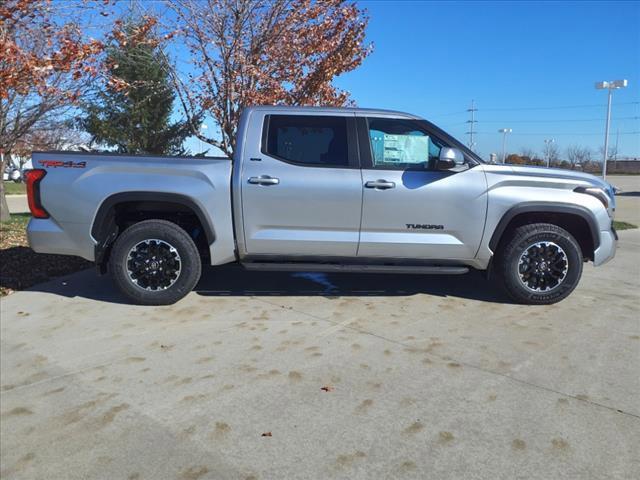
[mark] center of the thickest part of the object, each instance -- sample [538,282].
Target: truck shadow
[235,281]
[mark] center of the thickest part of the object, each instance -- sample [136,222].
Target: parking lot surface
[628,199]
[276,375]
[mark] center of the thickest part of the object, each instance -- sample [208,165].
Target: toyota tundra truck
[322,189]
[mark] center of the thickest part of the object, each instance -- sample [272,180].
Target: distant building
[629,165]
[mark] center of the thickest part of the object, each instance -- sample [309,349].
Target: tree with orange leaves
[264,52]
[45,62]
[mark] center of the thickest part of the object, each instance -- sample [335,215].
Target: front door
[302,187]
[410,209]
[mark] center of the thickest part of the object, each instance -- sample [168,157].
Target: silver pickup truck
[322,189]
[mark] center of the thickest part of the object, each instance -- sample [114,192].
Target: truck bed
[77,184]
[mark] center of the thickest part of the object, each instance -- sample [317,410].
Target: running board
[332,267]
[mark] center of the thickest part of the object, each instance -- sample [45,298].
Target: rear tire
[155,262]
[539,264]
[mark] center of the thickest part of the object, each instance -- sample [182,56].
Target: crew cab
[322,189]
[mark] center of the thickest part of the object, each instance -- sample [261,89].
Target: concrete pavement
[423,377]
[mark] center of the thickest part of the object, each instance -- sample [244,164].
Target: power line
[513,109]
[450,114]
[556,133]
[560,107]
[560,120]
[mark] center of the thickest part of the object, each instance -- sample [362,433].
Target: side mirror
[449,158]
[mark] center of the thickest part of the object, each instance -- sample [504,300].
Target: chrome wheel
[153,265]
[543,266]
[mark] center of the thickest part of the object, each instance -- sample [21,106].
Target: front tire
[155,262]
[539,264]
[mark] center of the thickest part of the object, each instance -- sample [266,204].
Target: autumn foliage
[265,52]
[240,53]
[45,65]
[35,50]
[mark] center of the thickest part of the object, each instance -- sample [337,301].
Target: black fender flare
[546,207]
[104,230]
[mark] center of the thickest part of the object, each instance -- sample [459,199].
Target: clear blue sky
[519,61]
[433,58]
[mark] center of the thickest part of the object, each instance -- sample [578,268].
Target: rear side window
[307,139]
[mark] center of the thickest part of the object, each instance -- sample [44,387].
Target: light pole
[504,132]
[611,86]
[547,150]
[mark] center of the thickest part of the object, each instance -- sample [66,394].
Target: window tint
[308,140]
[401,144]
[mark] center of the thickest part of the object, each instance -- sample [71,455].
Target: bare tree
[612,154]
[528,156]
[263,52]
[551,153]
[55,136]
[578,155]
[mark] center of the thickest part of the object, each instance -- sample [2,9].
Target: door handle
[264,180]
[380,184]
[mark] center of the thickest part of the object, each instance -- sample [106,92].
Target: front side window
[307,139]
[401,144]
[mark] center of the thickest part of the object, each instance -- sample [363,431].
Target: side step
[332,267]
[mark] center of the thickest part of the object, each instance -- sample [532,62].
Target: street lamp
[547,150]
[611,86]
[504,132]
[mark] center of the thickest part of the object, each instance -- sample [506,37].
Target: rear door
[410,209]
[302,187]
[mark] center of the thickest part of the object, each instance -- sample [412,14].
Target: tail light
[33,178]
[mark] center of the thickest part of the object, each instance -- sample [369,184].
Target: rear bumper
[607,249]
[45,235]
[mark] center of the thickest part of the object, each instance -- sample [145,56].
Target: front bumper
[607,249]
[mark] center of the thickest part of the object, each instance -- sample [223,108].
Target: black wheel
[539,264]
[155,262]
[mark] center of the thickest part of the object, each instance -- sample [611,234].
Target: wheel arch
[104,228]
[576,219]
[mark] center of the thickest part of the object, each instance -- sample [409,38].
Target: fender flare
[546,207]
[102,228]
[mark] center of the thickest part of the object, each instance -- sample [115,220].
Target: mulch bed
[21,267]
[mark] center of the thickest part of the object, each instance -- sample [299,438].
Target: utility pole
[471,123]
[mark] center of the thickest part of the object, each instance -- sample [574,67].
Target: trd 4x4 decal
[60,163]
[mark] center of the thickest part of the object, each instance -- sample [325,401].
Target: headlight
[597,192]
